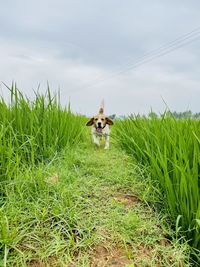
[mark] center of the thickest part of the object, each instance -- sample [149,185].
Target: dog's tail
[101,110]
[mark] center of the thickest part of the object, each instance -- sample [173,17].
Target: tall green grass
[170,149]
[36,218]
[32,131]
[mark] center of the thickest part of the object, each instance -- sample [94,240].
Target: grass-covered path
[118,226]
[92,210]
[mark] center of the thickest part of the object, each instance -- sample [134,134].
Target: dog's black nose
[99,124]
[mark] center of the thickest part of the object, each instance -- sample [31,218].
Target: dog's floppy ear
[90,122]
[109,121]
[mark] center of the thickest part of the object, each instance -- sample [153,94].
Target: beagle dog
[100,127]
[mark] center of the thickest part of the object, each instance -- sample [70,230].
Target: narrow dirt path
[125,230]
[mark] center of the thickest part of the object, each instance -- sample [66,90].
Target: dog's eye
[102,119]
[96,119]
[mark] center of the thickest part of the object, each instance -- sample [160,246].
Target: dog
[100,127]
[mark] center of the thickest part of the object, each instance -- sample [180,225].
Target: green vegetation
[63,202]
[88,208]
[169,150]
[34,131]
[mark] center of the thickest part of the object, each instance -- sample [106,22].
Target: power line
[150,53]
[150,56]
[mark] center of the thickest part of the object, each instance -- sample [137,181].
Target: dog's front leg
[95,139]
[107,142]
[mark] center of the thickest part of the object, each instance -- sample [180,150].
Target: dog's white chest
[104,133]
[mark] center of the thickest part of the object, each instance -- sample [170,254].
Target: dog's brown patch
[103,118]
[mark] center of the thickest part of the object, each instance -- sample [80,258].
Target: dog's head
[99,121]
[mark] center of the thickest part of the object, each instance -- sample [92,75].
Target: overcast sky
[84,48]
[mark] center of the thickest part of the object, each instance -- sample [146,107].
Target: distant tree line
[178,115]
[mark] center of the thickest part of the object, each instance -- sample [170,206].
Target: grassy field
[63,202]
[169,150]
[87,209]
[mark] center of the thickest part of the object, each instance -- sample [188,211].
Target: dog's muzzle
[99,129]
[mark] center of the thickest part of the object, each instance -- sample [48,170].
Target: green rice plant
[36,130]
[170,149]
[38,220]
